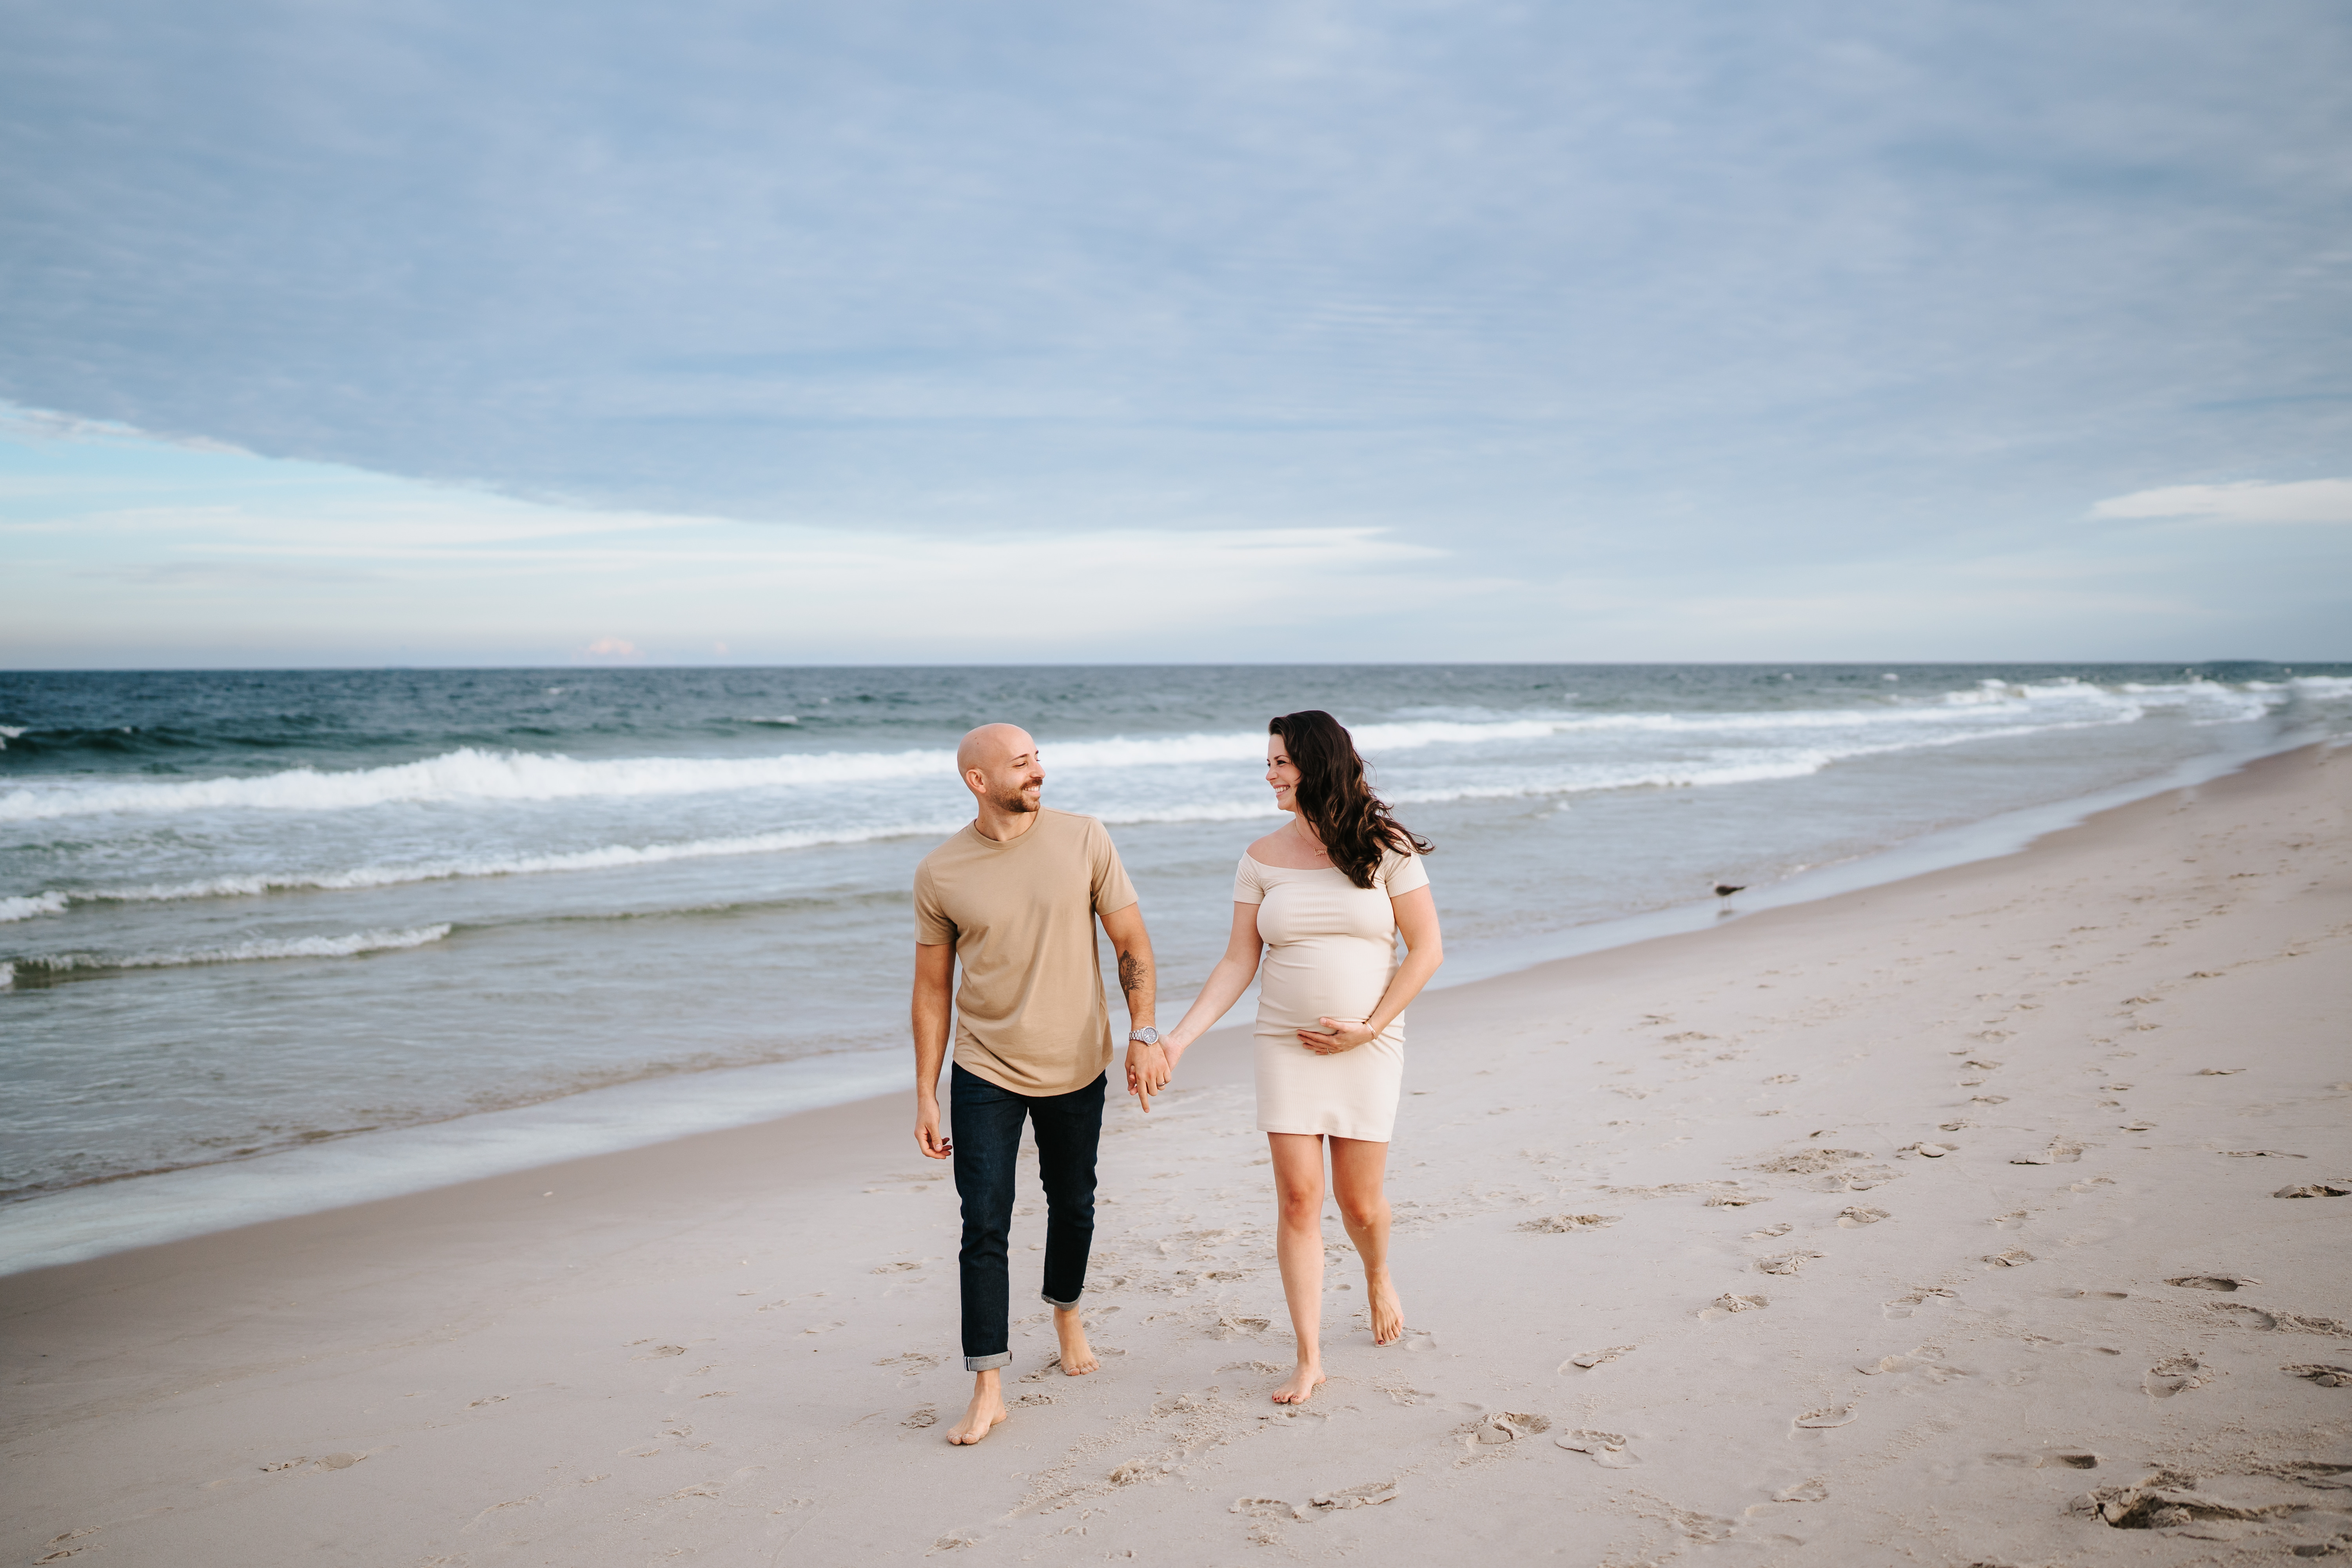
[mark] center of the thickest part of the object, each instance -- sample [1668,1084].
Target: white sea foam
[348,946]
[601,858]
[27,908]
[470,774]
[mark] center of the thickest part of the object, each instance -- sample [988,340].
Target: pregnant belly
[1301,982]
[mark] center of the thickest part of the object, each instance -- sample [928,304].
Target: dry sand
[1684,1275]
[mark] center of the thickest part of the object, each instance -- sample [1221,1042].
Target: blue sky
[443,333]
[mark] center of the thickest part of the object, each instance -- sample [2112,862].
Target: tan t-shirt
[1029,1015]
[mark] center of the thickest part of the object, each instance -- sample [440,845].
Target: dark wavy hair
[1352,822]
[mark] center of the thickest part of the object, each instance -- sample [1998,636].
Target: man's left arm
[1147,1066]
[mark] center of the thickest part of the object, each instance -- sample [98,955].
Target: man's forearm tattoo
[1134,974]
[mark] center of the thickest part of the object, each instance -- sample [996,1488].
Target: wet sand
[1937,1222]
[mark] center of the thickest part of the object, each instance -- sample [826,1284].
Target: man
[1013,898]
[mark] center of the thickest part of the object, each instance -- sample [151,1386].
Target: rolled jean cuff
[1059,1306]
[987,1363]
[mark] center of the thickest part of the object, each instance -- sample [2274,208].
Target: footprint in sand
[2327,1189]
[2076,1461]
[1371,1494]
[1828,1415]
[1603,1448]
[1723,1306]
[2325,1375]
[2212,1282]
[2243,1316]
[1854,1216]
[924,1416]
[1562,1224]
[1769,1232]
[1418,1340]
[1230,1327]
[1591,1359]
[1501,1426]
[1813,1490]
[2009,1258]
[1787,1262]
[2174,1374]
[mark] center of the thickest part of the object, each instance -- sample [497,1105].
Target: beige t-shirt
[1029,1015]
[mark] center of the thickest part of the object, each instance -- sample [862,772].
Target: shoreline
[87,1220]
[1680,1269]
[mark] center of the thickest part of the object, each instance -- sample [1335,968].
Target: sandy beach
[1999,1216]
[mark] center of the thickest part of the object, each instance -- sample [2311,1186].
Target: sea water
[357,932]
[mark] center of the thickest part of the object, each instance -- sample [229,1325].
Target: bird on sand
[1725,889]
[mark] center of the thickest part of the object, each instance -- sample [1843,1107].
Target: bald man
[1013,898]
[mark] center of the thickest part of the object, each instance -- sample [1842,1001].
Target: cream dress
[1330,951]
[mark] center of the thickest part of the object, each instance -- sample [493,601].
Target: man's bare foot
[1388,1313]
[986,1409]
[1303,1383]
[1077,1356]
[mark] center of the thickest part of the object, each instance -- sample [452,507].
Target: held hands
[1337,1035]
[1148,1072]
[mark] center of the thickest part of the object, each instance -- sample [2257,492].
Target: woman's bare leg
[1358,1173]
[1298,1245]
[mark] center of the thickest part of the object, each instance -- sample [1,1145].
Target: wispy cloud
[2246,501]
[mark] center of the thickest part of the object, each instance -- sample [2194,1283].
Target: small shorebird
[1725,889]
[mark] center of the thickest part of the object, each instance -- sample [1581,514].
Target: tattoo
[1134,975]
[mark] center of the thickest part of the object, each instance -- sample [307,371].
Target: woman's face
[1281,775]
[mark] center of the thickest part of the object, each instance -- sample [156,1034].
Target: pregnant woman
[1320,904]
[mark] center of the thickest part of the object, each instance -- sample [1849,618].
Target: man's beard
[1014,801]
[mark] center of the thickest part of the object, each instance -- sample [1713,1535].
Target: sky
[356,332]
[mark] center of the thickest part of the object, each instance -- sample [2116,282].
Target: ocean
[276,939]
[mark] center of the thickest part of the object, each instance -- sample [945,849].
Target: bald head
[999,764]
[992,746]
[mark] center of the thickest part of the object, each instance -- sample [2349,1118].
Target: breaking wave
[472,774]
[349,946]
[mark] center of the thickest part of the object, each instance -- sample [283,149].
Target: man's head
[999,764]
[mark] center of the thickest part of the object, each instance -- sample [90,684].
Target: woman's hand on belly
[1336,1036]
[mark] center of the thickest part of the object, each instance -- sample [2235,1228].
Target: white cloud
[2247,500]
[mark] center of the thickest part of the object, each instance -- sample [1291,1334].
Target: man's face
[1014,779]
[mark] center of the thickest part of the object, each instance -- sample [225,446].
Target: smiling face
[1001,767]
[1281,773]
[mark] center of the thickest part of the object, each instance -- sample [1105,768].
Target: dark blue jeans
[986,1128]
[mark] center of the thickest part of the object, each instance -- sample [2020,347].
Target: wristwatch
[1146,1036]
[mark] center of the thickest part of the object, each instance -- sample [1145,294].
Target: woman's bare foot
[1302,1385]
[986,1409]
[1077,1356]
[1388,1313]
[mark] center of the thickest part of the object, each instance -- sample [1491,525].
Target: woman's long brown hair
[1352,822]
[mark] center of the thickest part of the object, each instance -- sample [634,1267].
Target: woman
[1322,901]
